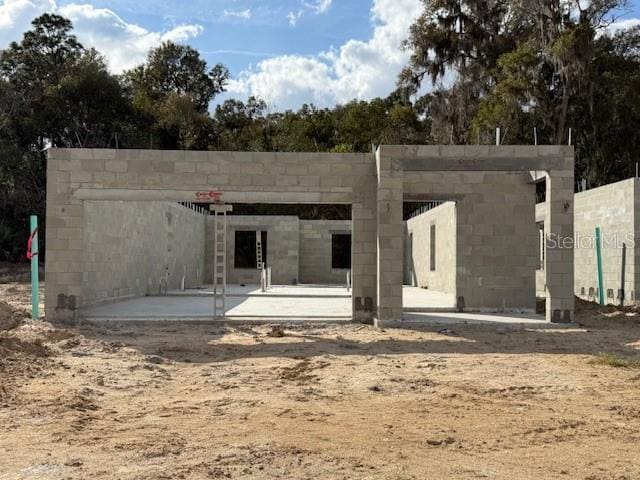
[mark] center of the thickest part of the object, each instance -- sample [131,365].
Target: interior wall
[282,248]
[498,242]
[417,253]
[496,234]
[315,251]
[134,248]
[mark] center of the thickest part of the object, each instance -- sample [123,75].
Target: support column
[65,223]
[363,259]
[389,231]
[559,241]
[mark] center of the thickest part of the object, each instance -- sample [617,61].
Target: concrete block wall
[316,251]
[558,259]
[496,233]
[613,208]
[282,248]
[137,248]
[75,176]
[417,255]
[390,228]
[497,242]
[634,294]
[496,236]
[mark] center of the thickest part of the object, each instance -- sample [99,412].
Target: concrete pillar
[390,231]
[65,236]
[363,259]
[558,226]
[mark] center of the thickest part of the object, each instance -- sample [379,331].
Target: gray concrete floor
[422,299]
[476,318]
[287,303]
[323,302]
[312,291]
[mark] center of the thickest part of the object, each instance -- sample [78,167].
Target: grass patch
[617,361]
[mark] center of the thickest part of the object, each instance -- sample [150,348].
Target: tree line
[532,67]
[513,64]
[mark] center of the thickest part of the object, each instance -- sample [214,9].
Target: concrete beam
[479,158]
[432,197]
[112,194]
[481,164]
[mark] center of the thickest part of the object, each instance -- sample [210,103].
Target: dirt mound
[34,338]
[10,317]
[25,352]
[592,314]
[15,345]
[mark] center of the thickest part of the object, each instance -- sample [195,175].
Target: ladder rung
[220,251]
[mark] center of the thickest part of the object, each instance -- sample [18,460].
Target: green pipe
[35,284]
[599,260]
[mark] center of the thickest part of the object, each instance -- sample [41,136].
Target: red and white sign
[212,196]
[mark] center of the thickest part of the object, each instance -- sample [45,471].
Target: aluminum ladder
[259,263]
[220,258]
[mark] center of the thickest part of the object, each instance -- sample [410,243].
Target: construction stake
[33,255]
[599,262]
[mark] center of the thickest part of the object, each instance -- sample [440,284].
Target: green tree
[460,39]
[525,64]
[310,129]
[87,107]
[241,126]
[171,92]
[177,69]
[43,57]
[606,117]
[179,119]
[53,92]
[28,69]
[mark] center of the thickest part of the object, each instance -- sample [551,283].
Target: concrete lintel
[475,151]
[432,197]
[115,194]
[481,164]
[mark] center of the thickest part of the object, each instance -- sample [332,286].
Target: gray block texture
[140,248]
[496,236]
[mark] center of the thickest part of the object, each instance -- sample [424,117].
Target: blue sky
[242,32]
[286,51]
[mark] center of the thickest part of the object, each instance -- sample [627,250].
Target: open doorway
[429,268]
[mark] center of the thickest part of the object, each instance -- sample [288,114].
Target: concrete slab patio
[284,303]
[311,291]
[530,320]
[200,307]
[416,299]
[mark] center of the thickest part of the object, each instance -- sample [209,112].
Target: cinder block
[90,165]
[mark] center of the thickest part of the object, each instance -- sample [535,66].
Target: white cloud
[319,6]
[125,45]
[316,7]
[242,14]
[16,16]
[293,17]
[620,25]
[357,69]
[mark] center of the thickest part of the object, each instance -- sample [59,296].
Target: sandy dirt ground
[187,401]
